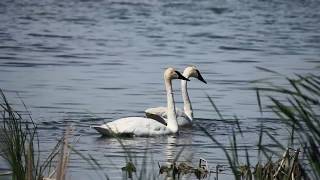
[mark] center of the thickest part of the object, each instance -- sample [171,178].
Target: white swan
[140,126]
[184,117]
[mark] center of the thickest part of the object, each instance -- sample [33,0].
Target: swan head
[192,71]
[171,73]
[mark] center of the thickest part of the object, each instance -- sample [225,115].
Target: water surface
[83,63]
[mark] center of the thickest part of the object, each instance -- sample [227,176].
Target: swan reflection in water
[177,151]
[176,148]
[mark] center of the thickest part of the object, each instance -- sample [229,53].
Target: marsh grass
[297,107]
[19,143]
[20,147]
[281,169]
[300,112]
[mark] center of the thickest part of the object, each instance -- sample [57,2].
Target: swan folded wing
[161,112]
[157,118]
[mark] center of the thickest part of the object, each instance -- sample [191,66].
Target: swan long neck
[186,100]
[171,114]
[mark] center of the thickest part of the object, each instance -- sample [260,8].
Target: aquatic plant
[299,110]
[297,106]
[177,169]
[20,147]
[19,143]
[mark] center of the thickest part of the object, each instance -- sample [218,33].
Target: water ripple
[85,62]
[229,48]
[50,36]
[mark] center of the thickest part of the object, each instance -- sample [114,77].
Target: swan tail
[103,130]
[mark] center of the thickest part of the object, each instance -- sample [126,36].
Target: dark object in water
[173,169]
[129,169]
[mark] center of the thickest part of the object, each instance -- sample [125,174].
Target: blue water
[82,63]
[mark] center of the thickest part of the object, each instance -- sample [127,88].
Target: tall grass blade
[259,101]
[268,70]
[215,107]
[260,141]
[238,125]
[231,162]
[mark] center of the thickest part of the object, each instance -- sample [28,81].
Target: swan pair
[166,122]
[184,118]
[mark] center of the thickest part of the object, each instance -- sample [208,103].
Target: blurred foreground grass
[297,106]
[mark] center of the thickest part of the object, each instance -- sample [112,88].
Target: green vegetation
[20,147]
[296,106]
[299,110]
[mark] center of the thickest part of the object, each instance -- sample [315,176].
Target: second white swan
[185,117]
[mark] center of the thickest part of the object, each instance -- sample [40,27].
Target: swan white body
[184,118]
[137,126]
[140,126]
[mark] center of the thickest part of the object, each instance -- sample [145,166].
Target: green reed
[20,148]
[20,145]
[17,143]
[298,107]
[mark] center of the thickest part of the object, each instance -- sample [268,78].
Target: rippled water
[85,62]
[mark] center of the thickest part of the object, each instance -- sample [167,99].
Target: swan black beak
[180,76]
[201,78]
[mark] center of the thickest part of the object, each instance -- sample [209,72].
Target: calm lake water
[85,62]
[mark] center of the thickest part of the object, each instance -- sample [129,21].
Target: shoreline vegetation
[297,106]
